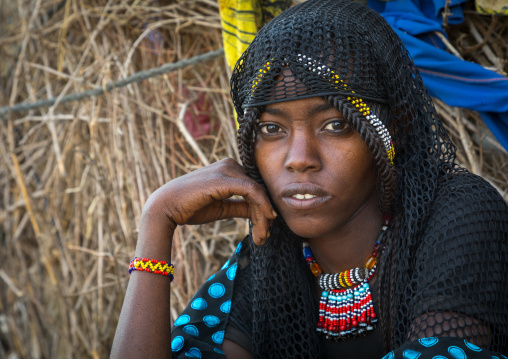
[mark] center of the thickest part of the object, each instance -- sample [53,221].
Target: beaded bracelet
[152,266]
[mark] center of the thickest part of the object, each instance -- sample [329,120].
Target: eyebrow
[313,110]
[321,108]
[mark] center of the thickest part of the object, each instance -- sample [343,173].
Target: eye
[337,125]
[269,128]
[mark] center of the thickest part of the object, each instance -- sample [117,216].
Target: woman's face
[318,171]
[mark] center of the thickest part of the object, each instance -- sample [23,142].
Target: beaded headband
[330,75]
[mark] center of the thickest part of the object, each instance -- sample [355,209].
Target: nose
[303,153]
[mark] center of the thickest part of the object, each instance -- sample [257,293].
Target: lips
[304,196]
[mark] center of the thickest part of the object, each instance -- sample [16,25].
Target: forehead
[300,107]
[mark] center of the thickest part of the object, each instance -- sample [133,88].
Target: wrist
[155,235]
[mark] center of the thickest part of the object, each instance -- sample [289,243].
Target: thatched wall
[74,177]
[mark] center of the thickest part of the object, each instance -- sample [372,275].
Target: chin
[304,229]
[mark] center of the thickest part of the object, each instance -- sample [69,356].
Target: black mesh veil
[442,271]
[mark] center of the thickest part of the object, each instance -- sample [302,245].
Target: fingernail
[274,213]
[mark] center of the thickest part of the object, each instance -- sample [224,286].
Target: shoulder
[462,250]
[467,228]
[466,206]
[468,191]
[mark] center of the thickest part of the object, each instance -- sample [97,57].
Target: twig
[486,49]
[446,13]
[488,34]
[188,137]
[26,197]
[10,283]
[467,143]
[448,45]
[17,72]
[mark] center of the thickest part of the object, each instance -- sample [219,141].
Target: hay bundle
[74,176]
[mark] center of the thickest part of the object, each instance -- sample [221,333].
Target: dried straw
[74,176]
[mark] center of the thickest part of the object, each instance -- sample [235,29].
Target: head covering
[343,51]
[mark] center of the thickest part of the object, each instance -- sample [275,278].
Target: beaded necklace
[345,307]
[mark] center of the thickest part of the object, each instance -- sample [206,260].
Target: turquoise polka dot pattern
[182,320]
[193,353]
[441,348]
[199,304]
[218,337]
[472,346]
[428,342]
[231,272]
[177,343]
[457,353]
[216,290]
[211,321]
[411,354]
[200,330]
[226,307]
[191,329]
[226,264]
[238,248]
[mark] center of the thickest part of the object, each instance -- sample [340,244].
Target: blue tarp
[454,81]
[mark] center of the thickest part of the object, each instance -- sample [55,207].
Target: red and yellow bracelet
[152,266]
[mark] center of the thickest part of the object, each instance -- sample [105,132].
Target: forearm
[144,329]
[201,196]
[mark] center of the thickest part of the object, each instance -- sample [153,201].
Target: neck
[352,245]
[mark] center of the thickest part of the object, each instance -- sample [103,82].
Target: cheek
[260,154]
[361,169]
[366,170]
[265,158]
[269,167]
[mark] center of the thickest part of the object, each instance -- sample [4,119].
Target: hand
[204,196]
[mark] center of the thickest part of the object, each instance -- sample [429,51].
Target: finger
[261,226]
[218,210]
[234,181]
[235,208]
[252,192]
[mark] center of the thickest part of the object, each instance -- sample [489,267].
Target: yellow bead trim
[152,266]
[340,280]
[349,284]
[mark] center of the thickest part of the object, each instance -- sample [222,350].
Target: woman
[343,154]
